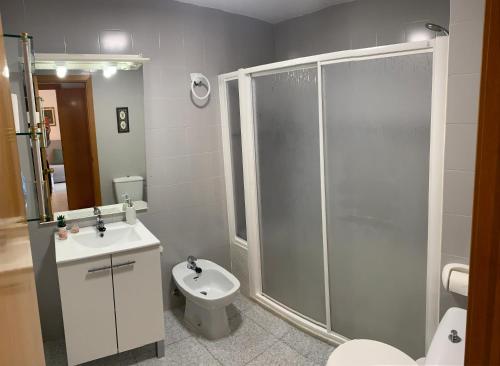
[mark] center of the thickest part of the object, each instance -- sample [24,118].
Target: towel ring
[196,80]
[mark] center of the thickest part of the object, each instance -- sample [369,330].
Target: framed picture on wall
[122,120]
[49,114]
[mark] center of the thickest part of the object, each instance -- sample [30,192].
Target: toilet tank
[131,185]
[442,350]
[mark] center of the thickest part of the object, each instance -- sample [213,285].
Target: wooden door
[483,313]
[74,127]
[20,334]
[86,290]
[138,298]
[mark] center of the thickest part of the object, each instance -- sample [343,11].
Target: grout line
[455,214]
[460,171]
[211,354]
[267,349]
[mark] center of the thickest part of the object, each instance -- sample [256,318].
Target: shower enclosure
[341,156]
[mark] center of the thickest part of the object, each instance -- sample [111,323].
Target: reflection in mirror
[15,73]
[96,137]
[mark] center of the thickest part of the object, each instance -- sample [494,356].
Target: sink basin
[118,237]
[112,235]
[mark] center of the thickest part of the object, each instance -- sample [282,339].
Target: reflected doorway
[72,149]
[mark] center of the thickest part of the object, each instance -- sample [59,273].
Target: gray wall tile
[457,198]
[361,23]
[460,148]
[463,98]
[464,67]
[184,160]
[463,10]
[466,47]
[457,235]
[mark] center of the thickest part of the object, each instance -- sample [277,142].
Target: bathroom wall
[358,24]
[183,149]
[464,67]
[120,154]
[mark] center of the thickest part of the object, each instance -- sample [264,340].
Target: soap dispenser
[130,214]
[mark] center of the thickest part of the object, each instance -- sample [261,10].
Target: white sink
[118,237]
[113,235]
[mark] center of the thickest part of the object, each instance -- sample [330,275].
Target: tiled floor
[257,338]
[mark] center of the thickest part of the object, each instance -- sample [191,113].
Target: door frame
[87,81]
[482,345]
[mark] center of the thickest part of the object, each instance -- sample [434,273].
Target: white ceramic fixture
[119,237]
[207,295]
[447,347]
[133,186]
[111,291]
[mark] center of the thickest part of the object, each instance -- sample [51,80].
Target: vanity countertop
[118,237]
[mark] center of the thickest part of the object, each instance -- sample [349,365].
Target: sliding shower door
[289,190]
[377,117]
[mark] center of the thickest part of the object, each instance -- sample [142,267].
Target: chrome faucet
[99,222]
[191,264]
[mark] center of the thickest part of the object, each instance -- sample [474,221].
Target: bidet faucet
[191,264]
[99,221]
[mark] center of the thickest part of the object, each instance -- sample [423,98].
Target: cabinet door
[86,291]
[138,298]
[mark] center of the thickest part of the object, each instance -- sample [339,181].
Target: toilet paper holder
[448,269]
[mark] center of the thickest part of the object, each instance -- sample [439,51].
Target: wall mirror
[90,118]
[94,116]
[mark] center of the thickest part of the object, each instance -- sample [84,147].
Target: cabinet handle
[98,269]
[129,263]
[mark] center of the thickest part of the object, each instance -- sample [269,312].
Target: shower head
[436,28]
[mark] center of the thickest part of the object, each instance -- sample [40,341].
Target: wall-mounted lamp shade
[61,71]
[114,41]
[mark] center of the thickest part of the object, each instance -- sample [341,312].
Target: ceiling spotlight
[61,71]
[109,71]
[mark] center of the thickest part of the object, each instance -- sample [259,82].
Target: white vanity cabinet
[138,298]
[88,309]
[111,303]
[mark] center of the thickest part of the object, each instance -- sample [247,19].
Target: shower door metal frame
[227,149]
[439,48]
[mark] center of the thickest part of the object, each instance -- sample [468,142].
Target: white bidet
[207,292]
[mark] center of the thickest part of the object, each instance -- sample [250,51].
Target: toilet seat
[364,352]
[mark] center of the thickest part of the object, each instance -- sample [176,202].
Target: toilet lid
[364,352]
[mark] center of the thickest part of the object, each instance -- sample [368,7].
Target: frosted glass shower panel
[288,167]
[377,116]
[236,158]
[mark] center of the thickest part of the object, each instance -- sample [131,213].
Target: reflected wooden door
[78,137]
[74,127]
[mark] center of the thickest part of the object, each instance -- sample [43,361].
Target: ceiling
[272,11]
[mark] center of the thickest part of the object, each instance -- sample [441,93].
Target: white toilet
[447,347]
[132,185]
[207,292]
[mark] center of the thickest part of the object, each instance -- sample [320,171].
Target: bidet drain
[204,293]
